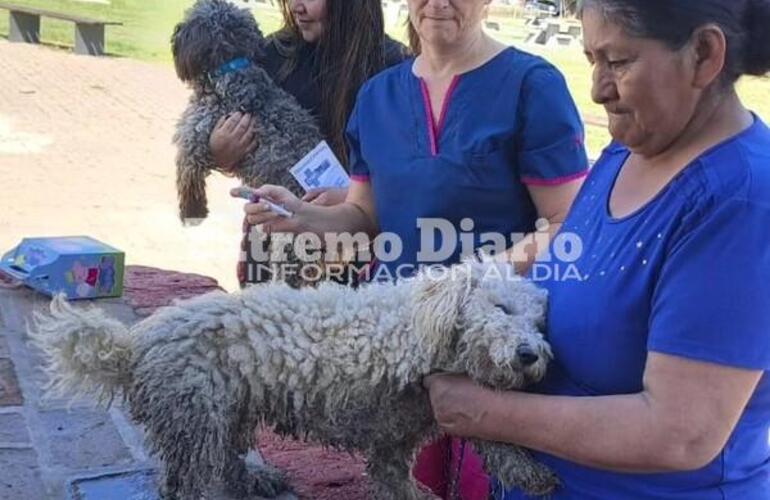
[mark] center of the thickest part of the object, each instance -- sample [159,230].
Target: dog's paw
[408,491]
[266,482]
[540,481]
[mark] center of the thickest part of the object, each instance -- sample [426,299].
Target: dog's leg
[194,162]
[187,426]
[168,485]
[185,448]
[515,467]
[249,480]
[389,470]
[246,481]
[176,483]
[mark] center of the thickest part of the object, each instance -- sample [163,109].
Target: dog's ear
[439,296]
[191,189]
[192,44]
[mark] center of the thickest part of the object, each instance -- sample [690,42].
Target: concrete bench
[25,27]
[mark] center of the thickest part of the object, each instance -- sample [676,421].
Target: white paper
[320,169]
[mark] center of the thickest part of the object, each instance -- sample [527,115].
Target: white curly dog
[333,365]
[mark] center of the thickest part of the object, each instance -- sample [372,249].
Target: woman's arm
[354,215]
[680,421]
[552,204]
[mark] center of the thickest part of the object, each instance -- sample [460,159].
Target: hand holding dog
[233,138]
[458,403]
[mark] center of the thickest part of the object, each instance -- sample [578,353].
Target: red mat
[314,472]
[147,288]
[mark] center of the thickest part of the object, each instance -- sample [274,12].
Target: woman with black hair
[657,389]
[322,55]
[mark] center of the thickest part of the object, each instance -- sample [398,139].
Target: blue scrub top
[507,124]
[687,275]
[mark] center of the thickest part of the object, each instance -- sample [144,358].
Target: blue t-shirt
[509,123]
[688,275]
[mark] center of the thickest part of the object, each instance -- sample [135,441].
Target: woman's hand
[233,138]
[457,402]
[260,213]
[326,197]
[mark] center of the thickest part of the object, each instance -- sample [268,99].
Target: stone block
[20,477]
[84,439]
[13,429]
[134,485]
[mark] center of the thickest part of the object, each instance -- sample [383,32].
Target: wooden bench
[25,27]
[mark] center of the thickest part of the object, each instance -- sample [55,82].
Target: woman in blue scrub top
[469,128]
[481,136]
[657,389]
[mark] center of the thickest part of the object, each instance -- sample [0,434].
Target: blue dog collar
[231,67]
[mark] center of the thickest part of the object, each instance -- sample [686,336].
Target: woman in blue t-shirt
[482,137]
[657,388]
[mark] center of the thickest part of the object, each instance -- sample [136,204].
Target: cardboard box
[78,266]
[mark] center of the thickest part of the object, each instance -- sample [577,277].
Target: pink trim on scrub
[534,181]
[434,130]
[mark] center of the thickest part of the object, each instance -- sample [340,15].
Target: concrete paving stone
[94,143]
[13,429]
[16,306]
[20,477]
[135,485]
[65,404]
[10,394]
[36,375]
[83,439]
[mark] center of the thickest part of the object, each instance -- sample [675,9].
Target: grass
[146,30]
[753,92]
[134,39]
[147,26]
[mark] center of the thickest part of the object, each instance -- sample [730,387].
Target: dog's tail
[85,352]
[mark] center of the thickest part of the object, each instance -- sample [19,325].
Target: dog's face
[212,33]
[482,320]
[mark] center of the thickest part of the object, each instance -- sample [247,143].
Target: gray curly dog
[213,35]
[333,365]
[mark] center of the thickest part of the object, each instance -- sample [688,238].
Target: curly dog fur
[333,365]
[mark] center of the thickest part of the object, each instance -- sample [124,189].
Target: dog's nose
[526,355]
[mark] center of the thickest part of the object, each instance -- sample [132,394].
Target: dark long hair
[351,51]
[745,23]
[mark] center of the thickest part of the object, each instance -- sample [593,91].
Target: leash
[454,484]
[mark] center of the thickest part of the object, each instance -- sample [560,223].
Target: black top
[304,82]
